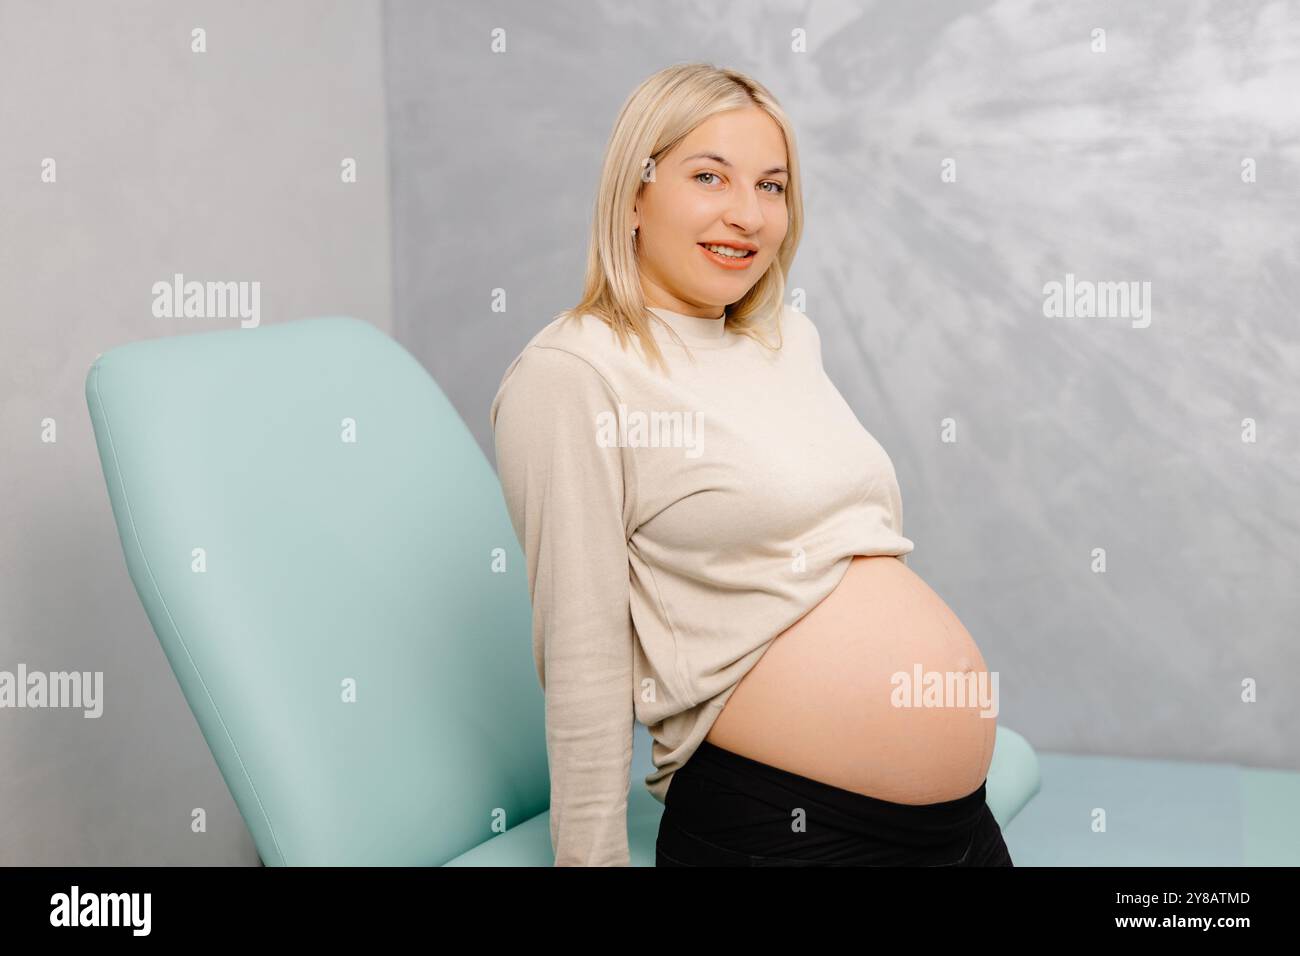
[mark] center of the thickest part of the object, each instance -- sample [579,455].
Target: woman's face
[724,183]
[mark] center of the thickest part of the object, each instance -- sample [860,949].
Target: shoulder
[798,335]
[570,363]
[585,337]
[798,323]
[572,341]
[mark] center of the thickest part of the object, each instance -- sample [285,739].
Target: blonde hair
[658,115]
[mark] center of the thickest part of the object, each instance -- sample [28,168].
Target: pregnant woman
[714,541]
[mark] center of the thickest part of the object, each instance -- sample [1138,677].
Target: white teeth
[728,251]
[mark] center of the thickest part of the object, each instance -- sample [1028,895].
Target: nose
[746,213]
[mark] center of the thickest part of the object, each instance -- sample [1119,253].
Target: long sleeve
[570,501]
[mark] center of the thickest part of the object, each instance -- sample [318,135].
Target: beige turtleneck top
[673,526]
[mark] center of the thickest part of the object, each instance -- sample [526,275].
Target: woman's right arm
[568,497]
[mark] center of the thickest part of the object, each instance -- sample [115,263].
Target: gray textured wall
[1072,433]
[223,165]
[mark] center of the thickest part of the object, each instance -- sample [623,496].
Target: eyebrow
[718,159]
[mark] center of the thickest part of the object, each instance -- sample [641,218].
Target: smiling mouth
[731,252]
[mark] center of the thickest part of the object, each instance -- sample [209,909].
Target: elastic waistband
[852,811]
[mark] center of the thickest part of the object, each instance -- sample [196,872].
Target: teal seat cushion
[325,556]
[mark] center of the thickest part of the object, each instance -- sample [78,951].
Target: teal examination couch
[325,556]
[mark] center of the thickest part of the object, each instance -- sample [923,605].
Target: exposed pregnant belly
[820,701]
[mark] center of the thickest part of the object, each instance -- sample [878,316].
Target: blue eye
[698,175]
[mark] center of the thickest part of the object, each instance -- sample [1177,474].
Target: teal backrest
[326,558]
